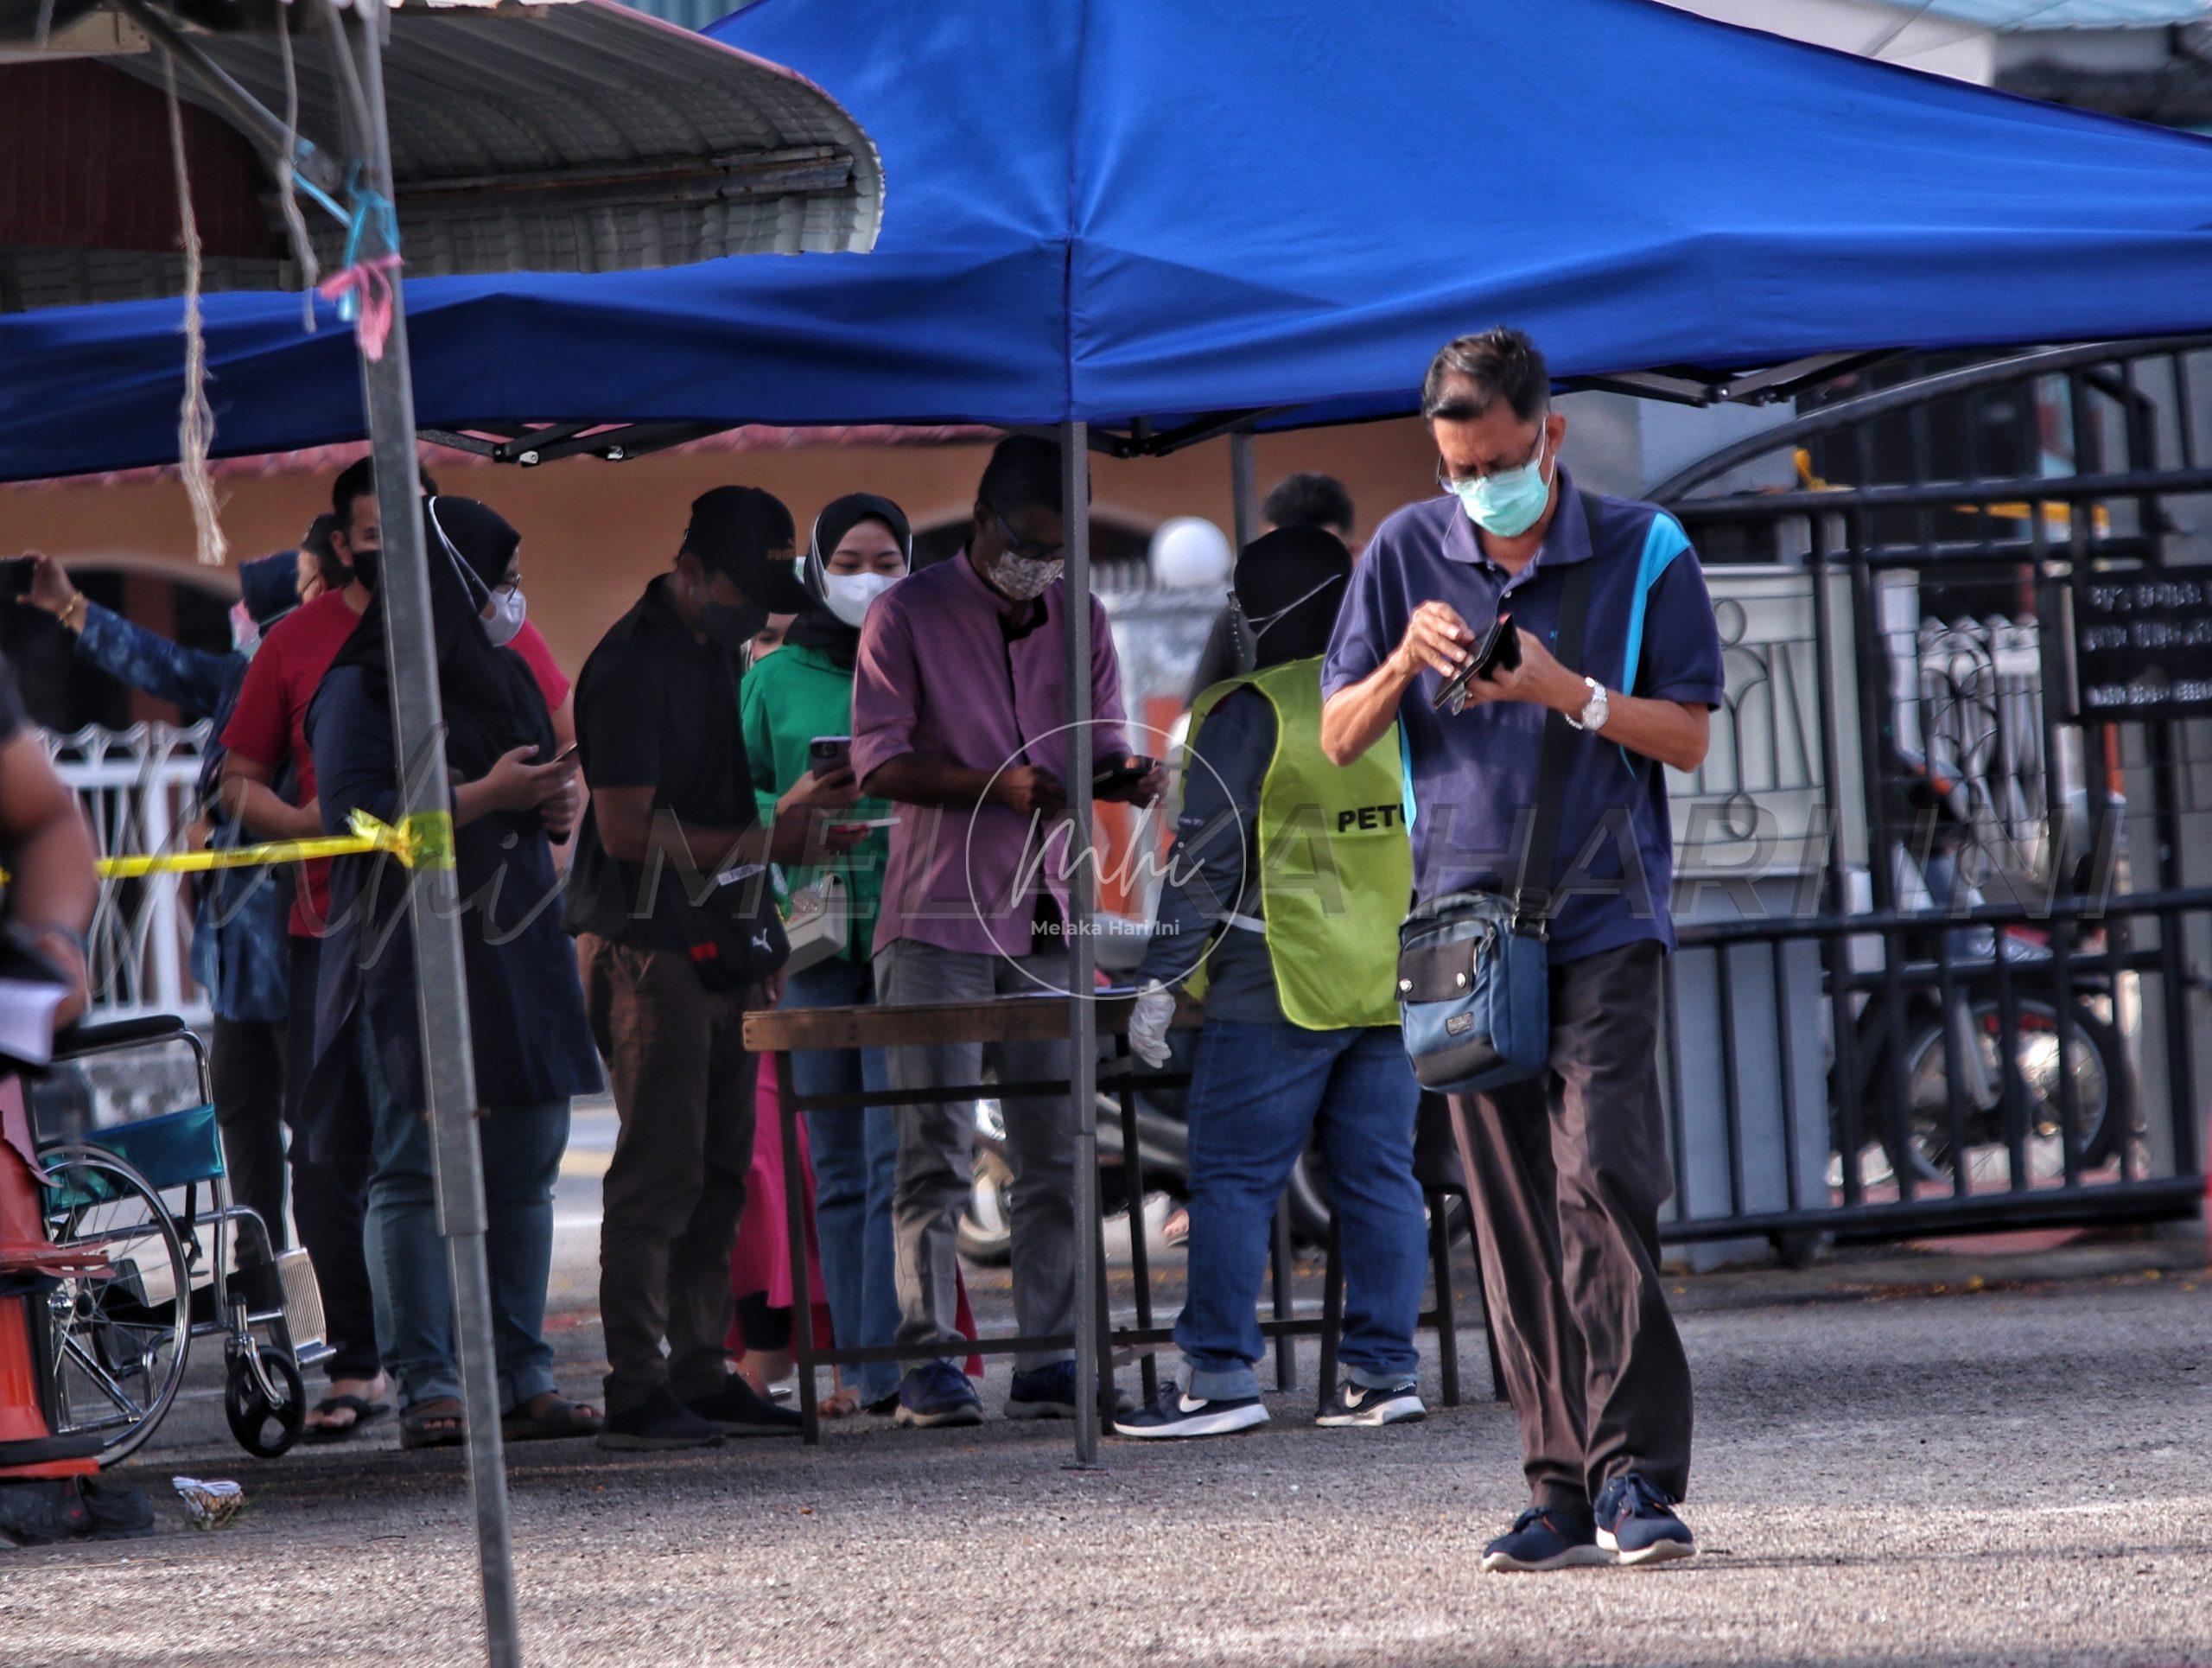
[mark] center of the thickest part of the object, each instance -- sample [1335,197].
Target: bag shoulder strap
[1532,900]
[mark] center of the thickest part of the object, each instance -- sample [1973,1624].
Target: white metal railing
[139,789]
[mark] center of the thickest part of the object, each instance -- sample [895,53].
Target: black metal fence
[1949,982]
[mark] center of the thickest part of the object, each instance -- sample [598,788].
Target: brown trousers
[1568,1171]
[674,1189]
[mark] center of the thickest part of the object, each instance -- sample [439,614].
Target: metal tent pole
[1082,1012]
[1244,487]
[418,728]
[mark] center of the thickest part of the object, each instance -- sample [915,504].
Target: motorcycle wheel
[986,1231]
[2104,1097]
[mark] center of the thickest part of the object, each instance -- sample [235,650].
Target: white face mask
[503,620]
[848,595]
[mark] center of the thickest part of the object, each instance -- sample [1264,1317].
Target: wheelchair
[175,1259]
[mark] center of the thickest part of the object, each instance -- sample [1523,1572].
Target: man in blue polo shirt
[1569,1168]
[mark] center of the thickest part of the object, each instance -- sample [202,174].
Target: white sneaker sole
[1200,1424]
[1399,1411]
[1575,1558]
[1658,1552]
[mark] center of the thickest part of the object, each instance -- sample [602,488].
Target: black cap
[734,530]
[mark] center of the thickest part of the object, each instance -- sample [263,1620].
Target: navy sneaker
[738,1409]
[657,1424]
[1049,1393]
[1175,1413]
[1636,1520]
[937,1394]
[1373,1405]
[1545,1538]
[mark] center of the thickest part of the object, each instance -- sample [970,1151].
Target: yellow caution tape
[422,840]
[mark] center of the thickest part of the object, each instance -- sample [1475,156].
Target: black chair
[1438,1168]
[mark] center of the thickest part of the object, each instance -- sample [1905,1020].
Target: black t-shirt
[12,716]
[655,707]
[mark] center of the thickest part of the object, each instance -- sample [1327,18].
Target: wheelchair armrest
[81,1040]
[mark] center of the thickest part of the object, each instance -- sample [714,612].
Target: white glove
[1148,1025]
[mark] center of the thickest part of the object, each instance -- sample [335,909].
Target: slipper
[415,1424]
[560,1419]
[364,1413]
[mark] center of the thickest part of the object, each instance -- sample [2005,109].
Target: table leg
[795,1214]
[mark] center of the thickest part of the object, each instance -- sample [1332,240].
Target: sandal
[441,1423]
[840,1405]
[559,1419]
[364,1413]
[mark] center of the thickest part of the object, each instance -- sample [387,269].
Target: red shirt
[269,724]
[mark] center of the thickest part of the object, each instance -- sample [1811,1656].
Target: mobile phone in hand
[1115,775]
[828,754]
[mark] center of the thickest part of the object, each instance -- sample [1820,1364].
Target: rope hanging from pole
[288,180]
[195,428]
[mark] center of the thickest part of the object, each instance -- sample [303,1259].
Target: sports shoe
[1545,1538]
[1175,1413]
[657,1422]
[1049,1393]
[738,1409]
[1373,1405]
[937,1394]
[1636,1520]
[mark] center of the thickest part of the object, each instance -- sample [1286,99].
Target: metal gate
[1972,1003]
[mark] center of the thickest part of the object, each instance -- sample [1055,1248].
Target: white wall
[1942,45]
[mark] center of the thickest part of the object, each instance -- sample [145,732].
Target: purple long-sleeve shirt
[947,673]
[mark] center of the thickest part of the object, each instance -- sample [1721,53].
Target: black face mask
[732,628]
[365,566]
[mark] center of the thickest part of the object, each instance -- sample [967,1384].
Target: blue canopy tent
[1146,221]
[1150,213]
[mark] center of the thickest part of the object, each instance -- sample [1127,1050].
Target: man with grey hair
[1567,1169]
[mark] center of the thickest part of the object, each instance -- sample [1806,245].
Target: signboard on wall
[2142,645]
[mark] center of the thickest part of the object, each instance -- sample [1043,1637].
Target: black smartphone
[1111,778]
[828,754]
[1499,649]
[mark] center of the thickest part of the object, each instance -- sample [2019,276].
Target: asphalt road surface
[1910,1461]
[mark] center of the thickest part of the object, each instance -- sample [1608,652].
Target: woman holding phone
[798,707]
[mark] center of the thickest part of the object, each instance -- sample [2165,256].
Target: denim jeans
[855,1168]
[414,1289]
[1258,1091]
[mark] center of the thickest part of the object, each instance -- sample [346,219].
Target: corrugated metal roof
[558,136]
[2008,15]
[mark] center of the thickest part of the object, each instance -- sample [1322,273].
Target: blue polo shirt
[1471,780]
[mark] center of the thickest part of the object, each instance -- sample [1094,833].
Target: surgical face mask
[1022,581]
[848,595]
[1510,502]
[1248,631]
[365,566]
[508,610]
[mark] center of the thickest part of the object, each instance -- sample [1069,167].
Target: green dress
[787,700]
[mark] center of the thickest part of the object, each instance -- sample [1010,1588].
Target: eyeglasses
[1445,479]
[1020,549]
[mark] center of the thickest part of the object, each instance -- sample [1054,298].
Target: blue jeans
[414,1290]
[856,1166]
[1258,1091]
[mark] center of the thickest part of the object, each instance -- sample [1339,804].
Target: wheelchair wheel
[118,1335]
[265,1429]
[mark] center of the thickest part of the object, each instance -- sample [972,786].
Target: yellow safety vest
[1336,867]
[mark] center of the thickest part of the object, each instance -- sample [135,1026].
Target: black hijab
[817,627]
[492,703]
[1289,585]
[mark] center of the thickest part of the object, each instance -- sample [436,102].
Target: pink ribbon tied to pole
[362,292]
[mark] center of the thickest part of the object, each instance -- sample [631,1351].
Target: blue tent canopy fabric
[1115,210]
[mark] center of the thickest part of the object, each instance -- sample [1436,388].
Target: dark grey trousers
[1568,1172]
